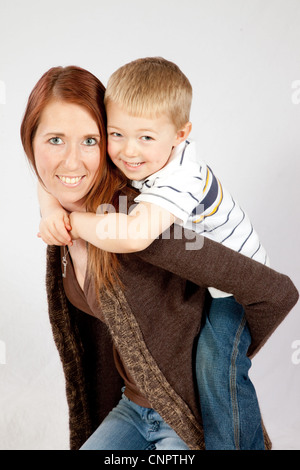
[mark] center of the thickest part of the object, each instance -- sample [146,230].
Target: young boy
[148,106]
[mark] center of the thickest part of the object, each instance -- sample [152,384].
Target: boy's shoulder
[183,169]
[184,156]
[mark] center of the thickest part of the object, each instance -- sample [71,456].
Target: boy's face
[139,146]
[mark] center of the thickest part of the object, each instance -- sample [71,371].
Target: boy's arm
[47,202]
[122,233]
[55,224]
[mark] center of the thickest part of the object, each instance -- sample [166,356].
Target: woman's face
[67,152]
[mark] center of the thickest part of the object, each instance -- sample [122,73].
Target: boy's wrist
[74,218]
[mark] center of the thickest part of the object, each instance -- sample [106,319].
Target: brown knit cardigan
[154,321]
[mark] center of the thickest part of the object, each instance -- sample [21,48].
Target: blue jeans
[131,427]
[229,406]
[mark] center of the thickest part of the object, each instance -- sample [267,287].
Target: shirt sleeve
[178,190]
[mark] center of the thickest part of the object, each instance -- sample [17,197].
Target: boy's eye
[90,141]
[55,141]
[115,134]
[146,138]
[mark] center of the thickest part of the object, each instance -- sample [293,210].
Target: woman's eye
[90,141]
[56,141]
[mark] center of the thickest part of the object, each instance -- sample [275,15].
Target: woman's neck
[73,206]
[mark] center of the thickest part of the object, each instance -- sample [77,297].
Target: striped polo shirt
[188,189]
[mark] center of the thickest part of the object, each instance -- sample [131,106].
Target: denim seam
[233,385]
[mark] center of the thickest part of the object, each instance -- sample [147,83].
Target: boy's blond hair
[150,87]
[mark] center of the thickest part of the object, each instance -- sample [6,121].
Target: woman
[150,302]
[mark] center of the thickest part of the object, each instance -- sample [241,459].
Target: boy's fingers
[61,233]
[67,222]
[50,239]
[56,231]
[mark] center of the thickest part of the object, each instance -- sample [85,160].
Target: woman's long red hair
[76,85]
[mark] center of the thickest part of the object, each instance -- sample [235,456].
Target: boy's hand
[55,228]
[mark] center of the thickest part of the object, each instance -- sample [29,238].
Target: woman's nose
[72,158]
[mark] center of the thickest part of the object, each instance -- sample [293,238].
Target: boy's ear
[183,133]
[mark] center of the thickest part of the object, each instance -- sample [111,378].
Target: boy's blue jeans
[229,406]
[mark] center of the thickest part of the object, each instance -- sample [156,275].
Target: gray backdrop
[242,58]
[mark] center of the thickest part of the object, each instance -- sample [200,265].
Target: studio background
[242,58]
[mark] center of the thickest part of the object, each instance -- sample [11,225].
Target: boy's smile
[140,146]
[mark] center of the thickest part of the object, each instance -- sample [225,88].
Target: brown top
[156,329]
[86,301]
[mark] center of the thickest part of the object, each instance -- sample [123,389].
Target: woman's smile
[70,181]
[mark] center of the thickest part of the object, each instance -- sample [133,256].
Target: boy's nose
[130,150]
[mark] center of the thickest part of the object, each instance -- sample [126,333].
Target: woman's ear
[183,133]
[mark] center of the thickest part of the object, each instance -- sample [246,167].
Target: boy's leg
[229,406]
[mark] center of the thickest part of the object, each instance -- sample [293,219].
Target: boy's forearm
[110,232]
[122,233]
[47,202]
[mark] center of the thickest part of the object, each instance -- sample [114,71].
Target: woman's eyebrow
[61,134]
[91,135]
[57,134]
